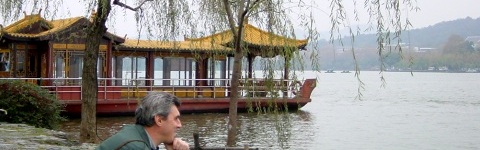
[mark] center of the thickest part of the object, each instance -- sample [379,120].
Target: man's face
[171,125]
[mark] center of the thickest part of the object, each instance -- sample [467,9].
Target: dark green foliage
[28,103]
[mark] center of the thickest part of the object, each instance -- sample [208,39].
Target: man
[157,120]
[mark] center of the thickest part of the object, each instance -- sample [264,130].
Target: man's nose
[179,124]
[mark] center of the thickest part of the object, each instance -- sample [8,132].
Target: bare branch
[117,2]
[231,23]
[250,6]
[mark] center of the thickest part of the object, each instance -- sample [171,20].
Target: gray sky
[431,12]
[435,11]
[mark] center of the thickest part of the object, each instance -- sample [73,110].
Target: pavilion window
[69,64]
[217,69]
[158,71]
[59,65]
[20,68]
[117,71]
[101,66]
[75,66]
[134,70]
[59,68]
[179,69]
[4,60]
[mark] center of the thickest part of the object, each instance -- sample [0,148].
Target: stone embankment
[21,136]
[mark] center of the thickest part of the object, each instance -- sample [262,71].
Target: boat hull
[198,105]
[122,100]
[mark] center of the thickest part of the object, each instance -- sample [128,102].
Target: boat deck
[123,98]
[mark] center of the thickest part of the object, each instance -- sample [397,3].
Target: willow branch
[231,23]
[251,6]
[117,2]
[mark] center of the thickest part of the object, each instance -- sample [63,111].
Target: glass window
[69,64]
[158,71]
[20,63]
[75,65]
[100,66]
[134,70]
[59,65]
[180,70]
[217,70]
[4,61]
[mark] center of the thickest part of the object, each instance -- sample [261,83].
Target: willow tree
[273,15]
[164,14]
[234,15]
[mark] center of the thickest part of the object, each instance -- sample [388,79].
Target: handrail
[109,88]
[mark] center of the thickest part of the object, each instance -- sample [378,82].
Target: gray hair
[155,103]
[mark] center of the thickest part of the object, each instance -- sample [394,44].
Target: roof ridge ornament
[92,15]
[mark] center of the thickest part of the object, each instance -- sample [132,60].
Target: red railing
[111,88]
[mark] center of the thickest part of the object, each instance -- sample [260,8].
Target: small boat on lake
[330,71]
[197,70]
[345,71]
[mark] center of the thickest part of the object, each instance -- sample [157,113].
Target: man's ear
[158,120]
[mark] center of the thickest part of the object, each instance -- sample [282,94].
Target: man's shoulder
[130,131]
[129,137]
[126,145]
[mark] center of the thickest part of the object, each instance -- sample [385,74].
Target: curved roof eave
[184,46]
[57,26]
[253,35]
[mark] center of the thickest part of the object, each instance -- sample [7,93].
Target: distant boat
[346,71]
[471,70]
[330,71]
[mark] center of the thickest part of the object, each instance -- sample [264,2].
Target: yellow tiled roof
[56,25]
[25,22]
[252,35]
[172,45]
[222,38]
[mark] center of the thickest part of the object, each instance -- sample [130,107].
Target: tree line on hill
[440,47]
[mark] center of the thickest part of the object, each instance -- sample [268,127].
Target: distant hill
[434,36]
[431,36]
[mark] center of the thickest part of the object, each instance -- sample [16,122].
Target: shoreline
[22,136]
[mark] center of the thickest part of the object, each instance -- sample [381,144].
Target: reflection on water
[270,131]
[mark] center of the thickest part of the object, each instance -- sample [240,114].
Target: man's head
[155,104]
[159,114]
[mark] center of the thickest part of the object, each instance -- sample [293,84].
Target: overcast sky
[431,12]
[435,11]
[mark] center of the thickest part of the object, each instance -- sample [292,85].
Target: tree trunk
[95,30]
[237,68]
[232,111]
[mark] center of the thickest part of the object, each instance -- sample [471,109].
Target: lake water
[423,111]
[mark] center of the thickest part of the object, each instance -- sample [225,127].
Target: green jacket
[130,137]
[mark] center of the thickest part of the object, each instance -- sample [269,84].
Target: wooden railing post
[196,142]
